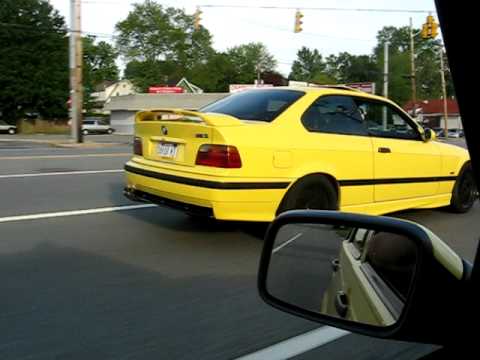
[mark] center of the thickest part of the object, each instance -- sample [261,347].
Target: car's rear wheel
[464,192]
[12,131]
[85,132]
[313,192]
[110,131]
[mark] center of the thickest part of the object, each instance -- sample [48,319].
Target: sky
[330,32]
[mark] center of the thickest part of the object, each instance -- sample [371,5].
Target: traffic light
[298,22]
[430,28]
[197,18]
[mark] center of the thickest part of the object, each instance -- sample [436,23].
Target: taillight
[137,146]
[223,156]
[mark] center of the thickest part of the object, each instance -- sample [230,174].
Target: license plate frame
[167,150]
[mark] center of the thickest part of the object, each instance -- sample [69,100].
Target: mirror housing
[438,296]
[429,135]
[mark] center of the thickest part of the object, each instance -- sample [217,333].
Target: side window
[336,115]
[383,120]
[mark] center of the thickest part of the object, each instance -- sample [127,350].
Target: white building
[123,108]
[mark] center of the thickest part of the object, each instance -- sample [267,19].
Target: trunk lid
[175,135]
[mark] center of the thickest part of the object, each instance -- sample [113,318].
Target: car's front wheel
[464,192]
[313,192]
[85,132]
[12,131]
[110,131]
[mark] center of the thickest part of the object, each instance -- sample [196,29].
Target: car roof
[331,90]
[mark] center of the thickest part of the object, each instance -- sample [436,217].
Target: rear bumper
[140,196]
[224,200]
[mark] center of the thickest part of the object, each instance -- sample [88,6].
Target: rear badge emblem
[164,130]
[201,136]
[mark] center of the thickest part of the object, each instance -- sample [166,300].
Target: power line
[265,7]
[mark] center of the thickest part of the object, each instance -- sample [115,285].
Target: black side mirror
[372,275]
[429,135]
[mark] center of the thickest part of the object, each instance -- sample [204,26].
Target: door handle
[384,150]
[341,304]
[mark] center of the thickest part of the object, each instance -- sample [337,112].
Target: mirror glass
[356,274]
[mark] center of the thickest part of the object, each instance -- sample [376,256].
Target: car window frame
[397,110]
[327,132]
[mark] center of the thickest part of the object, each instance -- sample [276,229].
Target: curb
[86,145]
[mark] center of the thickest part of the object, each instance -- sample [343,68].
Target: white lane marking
[74,213]
[35,157]
[297,345]
[80,172]
[286,243]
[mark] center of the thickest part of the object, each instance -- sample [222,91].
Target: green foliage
[427,61]
[309,65]
[147,73]
[348,68]
[152,33]
[248,60]
[33,60]
[98,66]
[215,75]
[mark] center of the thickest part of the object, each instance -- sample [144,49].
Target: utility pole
[444,91]
[385,81]
[412,73]
[76,58]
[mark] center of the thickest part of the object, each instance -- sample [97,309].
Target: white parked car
[7,128]
[96,126]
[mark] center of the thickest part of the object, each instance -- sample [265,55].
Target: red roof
[434,106]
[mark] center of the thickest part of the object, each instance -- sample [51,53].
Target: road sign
[368,87]
[165,90]
[242,87]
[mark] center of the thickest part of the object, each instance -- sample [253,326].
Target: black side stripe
[275,185]
[207,183]
[396,181]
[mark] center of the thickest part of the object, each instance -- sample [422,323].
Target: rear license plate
[168,150]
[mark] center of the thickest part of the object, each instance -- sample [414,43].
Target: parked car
[440,132]
[96,126]
[455,133]
[259,153]
[7,128]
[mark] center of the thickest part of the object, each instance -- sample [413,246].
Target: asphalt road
[145,283]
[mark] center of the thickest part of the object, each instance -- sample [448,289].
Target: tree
[347,68]
[98,66]
[153,33]
[249,60]
[215,75]
[426,61]
[144,74]
[33,60]
[309,64]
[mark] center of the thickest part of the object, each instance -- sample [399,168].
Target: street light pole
[385,81]
[444,91]
[412,73]
[76,58]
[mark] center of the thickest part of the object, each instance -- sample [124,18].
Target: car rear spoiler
[182,115]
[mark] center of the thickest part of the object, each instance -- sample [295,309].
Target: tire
[312,192]
[12,131]
[110,131]
[85,132]
[464,192]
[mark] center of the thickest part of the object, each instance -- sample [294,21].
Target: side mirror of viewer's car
[372,275]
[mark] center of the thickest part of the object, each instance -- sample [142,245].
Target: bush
[43,126]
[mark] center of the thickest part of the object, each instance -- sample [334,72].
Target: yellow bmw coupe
[255,154]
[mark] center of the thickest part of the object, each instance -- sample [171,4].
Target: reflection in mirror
[360,275]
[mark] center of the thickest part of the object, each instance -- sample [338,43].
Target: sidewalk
[90,141]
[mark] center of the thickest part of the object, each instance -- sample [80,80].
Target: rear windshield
[259,105]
